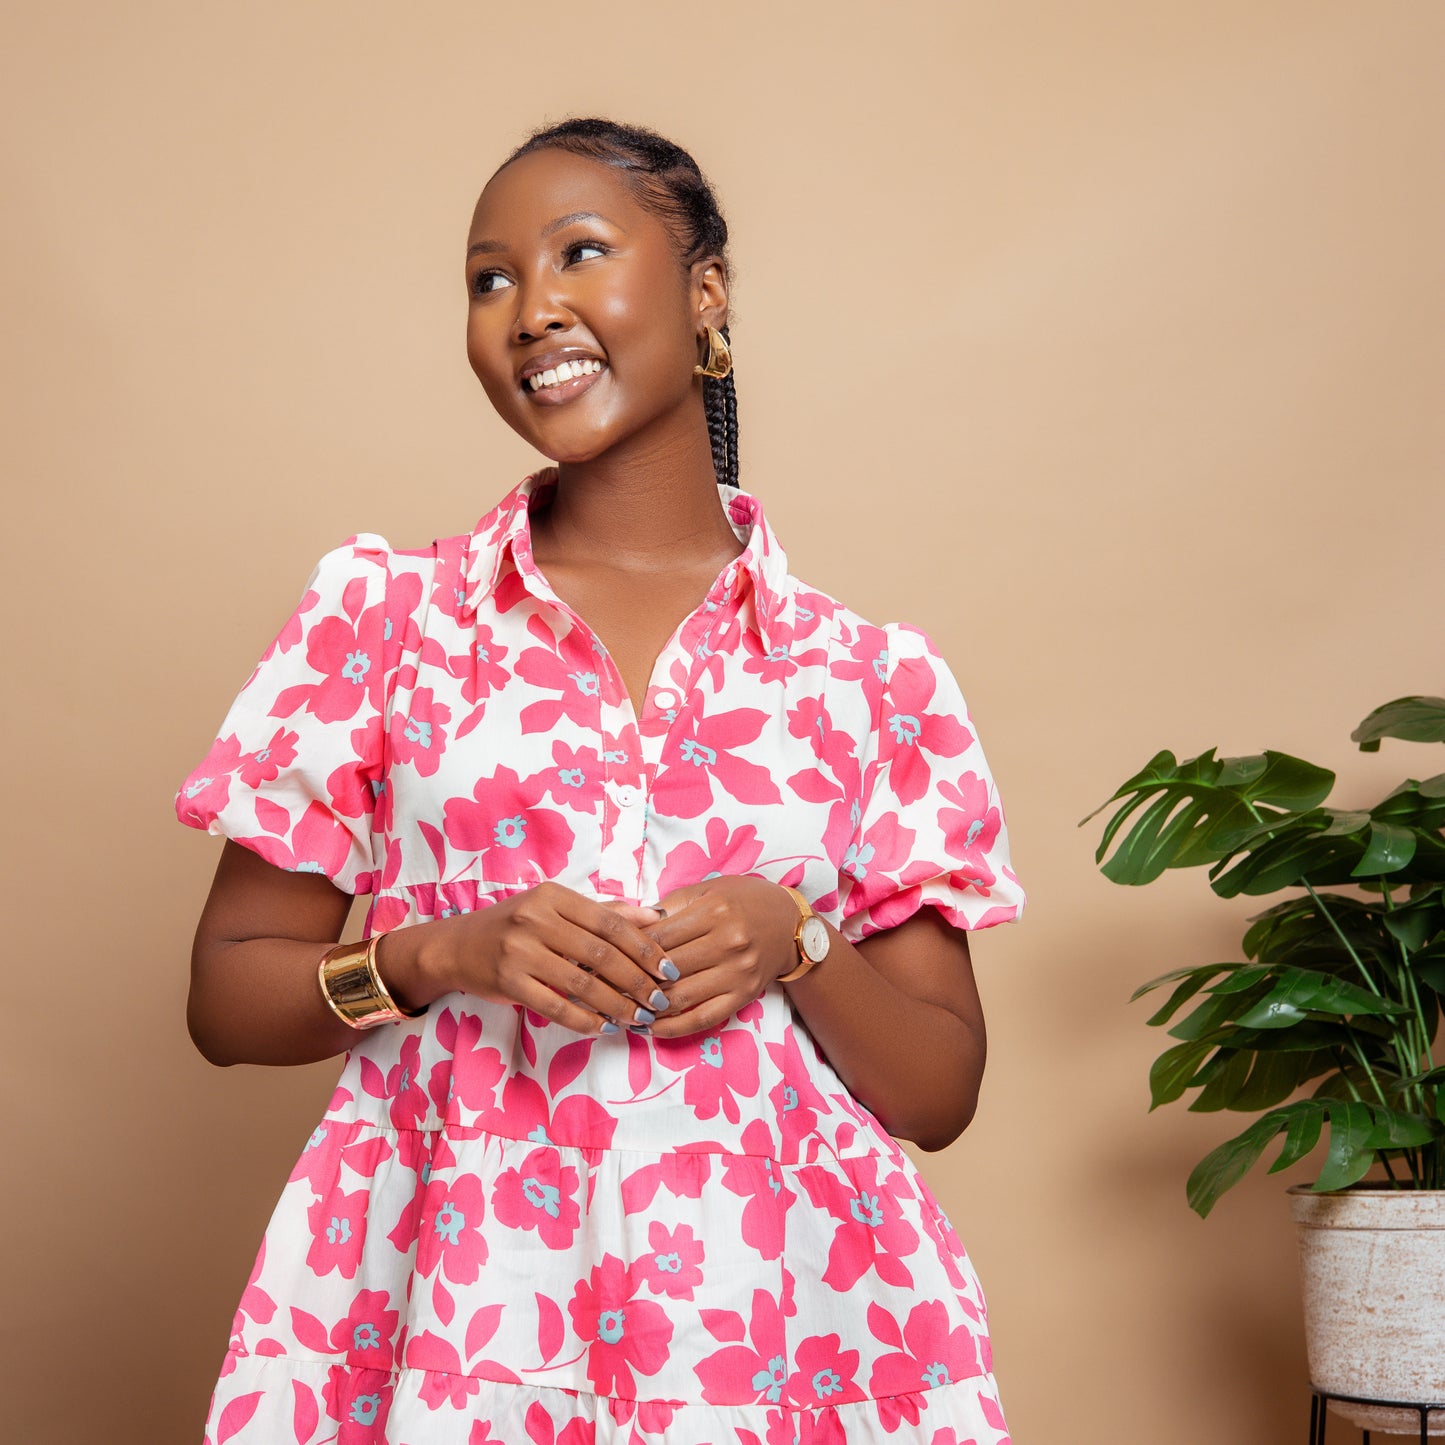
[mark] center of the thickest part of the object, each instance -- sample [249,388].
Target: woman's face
[563,262]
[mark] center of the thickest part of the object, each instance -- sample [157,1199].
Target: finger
[604,977]
[624,939]
[532,993]
[686,921]
[640,914]
[716,999]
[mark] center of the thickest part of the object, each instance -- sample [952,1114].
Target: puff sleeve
[297,766]
[931,827]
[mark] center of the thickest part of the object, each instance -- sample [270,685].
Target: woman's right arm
[255,999]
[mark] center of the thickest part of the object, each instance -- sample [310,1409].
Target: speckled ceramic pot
[1372,1267]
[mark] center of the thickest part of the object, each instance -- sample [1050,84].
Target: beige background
[1105,341]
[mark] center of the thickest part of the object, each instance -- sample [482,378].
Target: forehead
[542,185]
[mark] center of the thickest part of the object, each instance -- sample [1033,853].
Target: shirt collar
[506,530]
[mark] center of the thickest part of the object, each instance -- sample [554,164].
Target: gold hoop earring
[719,357]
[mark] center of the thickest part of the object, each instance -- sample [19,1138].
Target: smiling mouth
[560,384]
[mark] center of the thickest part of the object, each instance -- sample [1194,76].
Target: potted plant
[1324,1031]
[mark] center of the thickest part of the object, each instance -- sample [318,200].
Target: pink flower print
[360,1399]
[402,1085]
[255,1304]
[754,1176]
[205,793]
[423,1154]
[443,1382]
[717,1068]
[796,1102]
[866,663]
[755,1368]
[874,860]
[358,792]
[811,610]
[577,682]
[724,851]
[338,1231]
[871,1232]
[518,841]
[346,654]
[319,844]
[699,752]
[673,1266]
[451,1231]
[367,1336]
[541,1195]
[485,673]
[265,764]
[823,1373]
[928,1354]
[833,746]
[574,780]
[420,738]
[541,1430]
[622,1333]
[909,730]
[970,828]
[781,660]
[683,1172]
[578,1121]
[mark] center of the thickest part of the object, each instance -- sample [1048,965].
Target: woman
[649,827]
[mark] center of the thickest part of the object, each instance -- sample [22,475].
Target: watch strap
[805,964]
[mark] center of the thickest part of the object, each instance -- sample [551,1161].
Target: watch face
[815,939]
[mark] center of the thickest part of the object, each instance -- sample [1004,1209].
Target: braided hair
[668,182]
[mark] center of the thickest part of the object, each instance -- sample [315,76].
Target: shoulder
[849,630]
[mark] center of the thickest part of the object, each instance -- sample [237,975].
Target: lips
[550,360]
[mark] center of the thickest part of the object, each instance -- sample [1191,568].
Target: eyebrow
[552,226]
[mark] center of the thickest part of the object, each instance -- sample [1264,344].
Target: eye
[479,282]
[584,246]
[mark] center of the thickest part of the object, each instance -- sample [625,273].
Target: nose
[540,308]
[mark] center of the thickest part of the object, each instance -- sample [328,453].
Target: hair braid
[666,180]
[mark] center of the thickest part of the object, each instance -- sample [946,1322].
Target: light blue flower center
[974,829]
[546,1197]
[339,1230]
[609,1326]
[418,732]
[199,786]
[450,1222]
[668,1263]
[790,1098]
[366,1337]
[771,1380]
[864,1208]
[357,665]
[857,859]
[880,665]
[364,1409]
[262,754]
[511,832]
[827,1382]
[317,1135]
[904,727]
[538,1135]
[571,777]
[614,755]
[935,1375]
[711,1051]
[586,683]
[698,754]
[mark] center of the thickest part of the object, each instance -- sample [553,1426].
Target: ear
[709,292]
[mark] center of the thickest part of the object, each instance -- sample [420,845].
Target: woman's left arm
[898,1015]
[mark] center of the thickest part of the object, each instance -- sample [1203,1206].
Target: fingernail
[644,1016]
[668,969]
[659,1001]
[638,1029]
[608,1027]
[658,909]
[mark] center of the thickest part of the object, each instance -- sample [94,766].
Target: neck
[642,508]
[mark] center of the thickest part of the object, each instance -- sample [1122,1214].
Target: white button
[627,796]
[664,698]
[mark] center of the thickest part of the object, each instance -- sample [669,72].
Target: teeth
[553,376]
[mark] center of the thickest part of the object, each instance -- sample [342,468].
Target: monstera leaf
[1199,810]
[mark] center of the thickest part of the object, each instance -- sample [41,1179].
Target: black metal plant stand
[1319,1399]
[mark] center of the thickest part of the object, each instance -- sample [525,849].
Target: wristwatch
[812,938]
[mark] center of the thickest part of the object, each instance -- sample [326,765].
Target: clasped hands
[598,966]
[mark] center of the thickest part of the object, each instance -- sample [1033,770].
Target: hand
[581,962]
[729,939]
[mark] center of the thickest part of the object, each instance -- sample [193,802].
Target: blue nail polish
[668,969]
[659,1000]
[645,1016]
[608,1027]
[639,1029]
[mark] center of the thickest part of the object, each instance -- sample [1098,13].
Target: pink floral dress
[501,1230]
